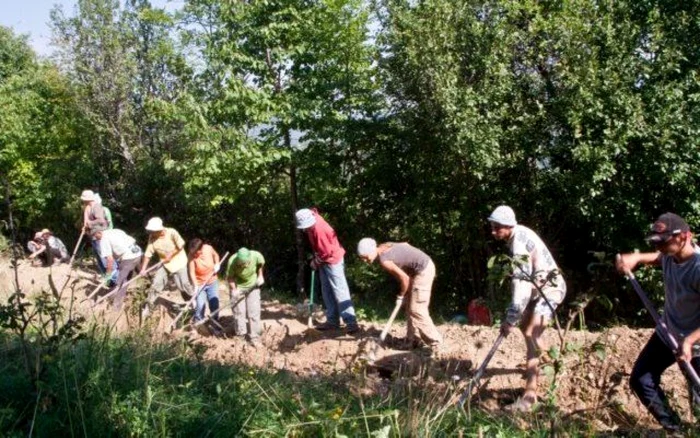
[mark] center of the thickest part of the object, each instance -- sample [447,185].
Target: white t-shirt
[533,258]
[119,245]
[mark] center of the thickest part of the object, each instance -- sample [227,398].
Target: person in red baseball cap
[679,259]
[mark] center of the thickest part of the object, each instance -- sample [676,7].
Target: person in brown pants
[415,272]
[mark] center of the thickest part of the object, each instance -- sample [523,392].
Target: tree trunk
[299,235]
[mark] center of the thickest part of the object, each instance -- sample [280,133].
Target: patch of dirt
[593,379]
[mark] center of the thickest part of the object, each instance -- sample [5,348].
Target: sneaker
[352,329]
[326,326]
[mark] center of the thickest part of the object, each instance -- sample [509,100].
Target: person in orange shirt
[203,266]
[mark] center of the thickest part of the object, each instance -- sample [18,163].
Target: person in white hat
[170,247]
[94,220]
[328,259]
[537,287]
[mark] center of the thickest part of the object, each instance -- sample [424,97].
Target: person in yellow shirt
[170,248]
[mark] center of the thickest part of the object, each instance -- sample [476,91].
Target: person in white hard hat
[170,247]
[537,287]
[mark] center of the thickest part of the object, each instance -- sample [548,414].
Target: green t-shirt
[245,275]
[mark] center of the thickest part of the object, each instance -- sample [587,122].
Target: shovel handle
[482,368]
[152,268]
[395,312]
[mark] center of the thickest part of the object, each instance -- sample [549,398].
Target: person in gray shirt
[680,262]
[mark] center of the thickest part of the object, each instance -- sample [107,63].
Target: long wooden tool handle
[395,312]
[152,268]
[77,245]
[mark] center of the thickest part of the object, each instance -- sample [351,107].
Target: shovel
[374,346]
[310,322]
[152,268]
[480,372]
[663,331]
[194,297]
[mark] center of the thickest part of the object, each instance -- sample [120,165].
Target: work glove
[217,267]
[106,278]
[260,281]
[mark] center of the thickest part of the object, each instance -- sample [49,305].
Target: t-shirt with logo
[532,257]
[165,244]
[245,275]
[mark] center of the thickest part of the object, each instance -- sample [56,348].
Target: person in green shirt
[245,276]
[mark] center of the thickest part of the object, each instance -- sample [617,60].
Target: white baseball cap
[305,218]
[503,215]
[155,224]
[87,195]
[366,246]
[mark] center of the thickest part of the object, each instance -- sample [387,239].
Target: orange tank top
[204,265]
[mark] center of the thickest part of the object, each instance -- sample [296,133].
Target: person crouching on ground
[537,288]
[680,263]
[203,266]
[328,259]
[245,277]
[415,272]
[48,247]
[170,247]
[118,247]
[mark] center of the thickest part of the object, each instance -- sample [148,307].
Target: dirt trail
[594,377]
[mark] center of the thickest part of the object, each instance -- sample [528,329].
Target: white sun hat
[305,218]
[503,215]
[155,224]
[87,195]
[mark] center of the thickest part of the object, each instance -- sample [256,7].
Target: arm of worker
[686,350]
[627,262]
[193,276]
[398,273]
[109,268]
[217,261]
[261,280]
[41,249]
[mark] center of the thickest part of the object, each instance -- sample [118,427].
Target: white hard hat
[155,224]
[366,246]
[87,195]
[305,218]
[503,215]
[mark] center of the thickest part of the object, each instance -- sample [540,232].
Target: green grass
[105,386]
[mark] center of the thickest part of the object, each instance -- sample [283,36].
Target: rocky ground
[592,383]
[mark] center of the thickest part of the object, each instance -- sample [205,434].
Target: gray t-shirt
[682,286]
[409,258]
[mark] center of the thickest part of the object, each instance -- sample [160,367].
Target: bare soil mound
[593,378]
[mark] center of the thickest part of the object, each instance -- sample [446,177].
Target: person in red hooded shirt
[328,260]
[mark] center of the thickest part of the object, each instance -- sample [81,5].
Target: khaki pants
[420,325]
[247,312]
[160,279]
